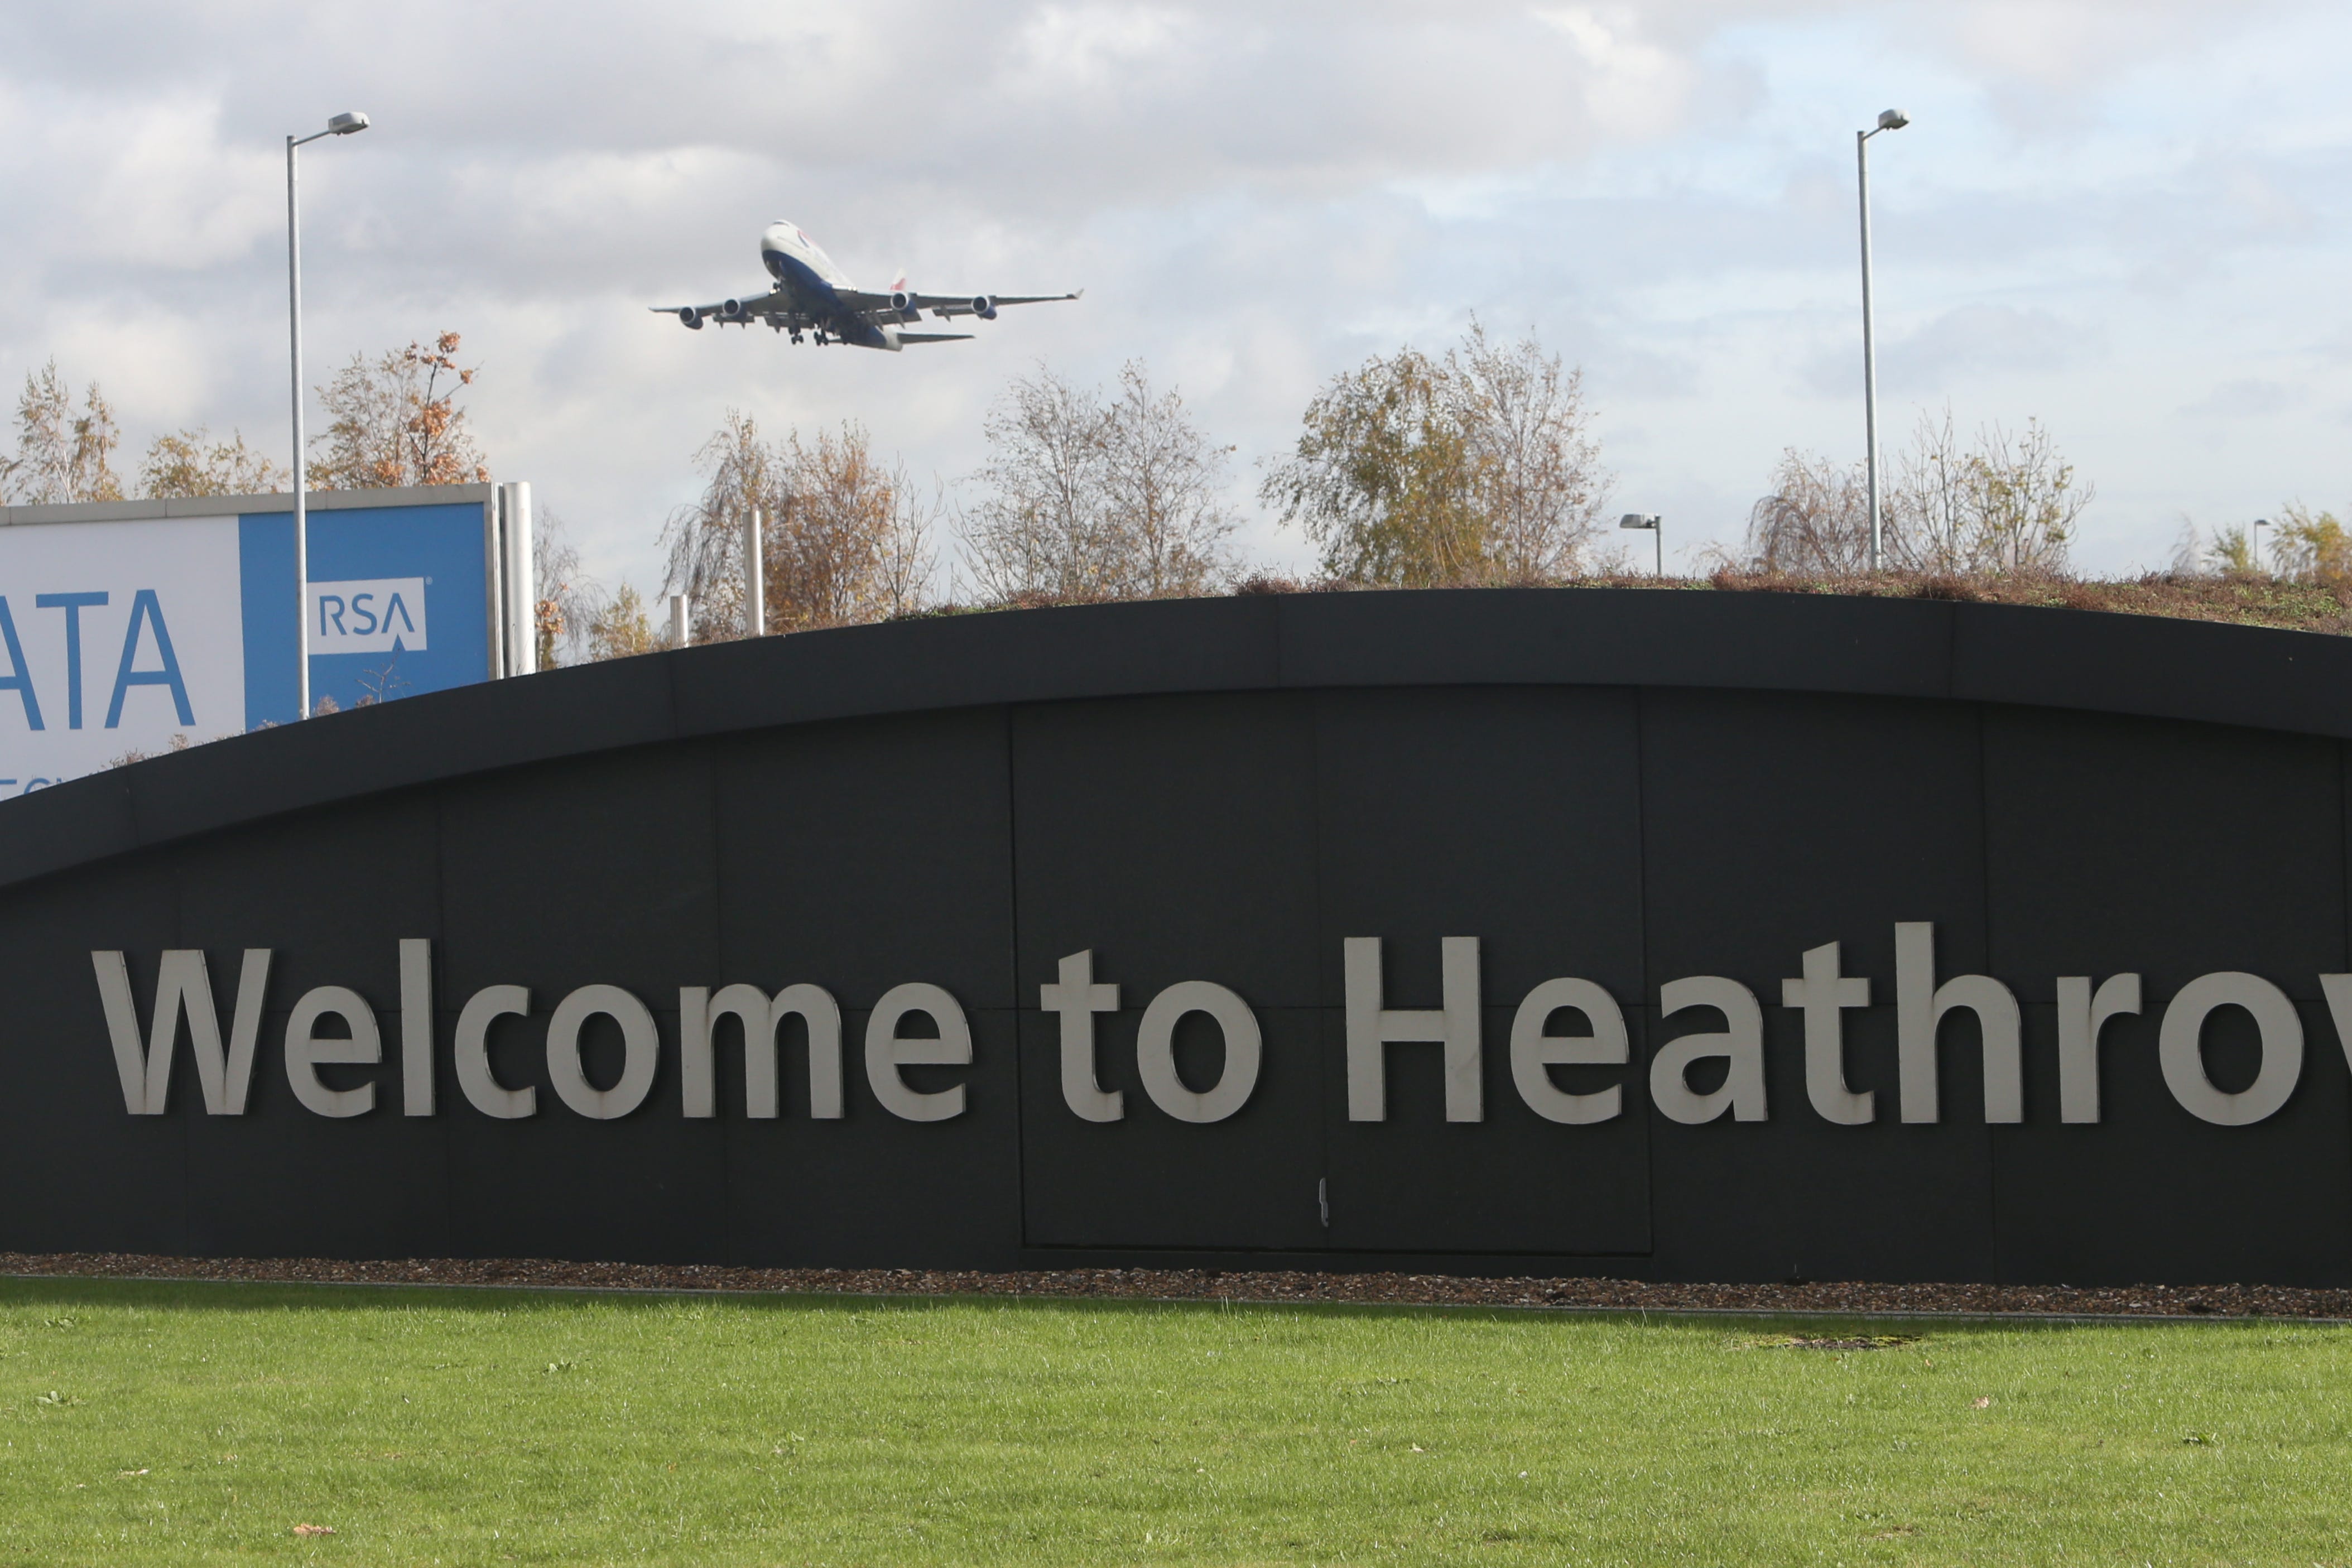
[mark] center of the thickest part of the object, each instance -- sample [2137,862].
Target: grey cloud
[1966,340]
[2248,399]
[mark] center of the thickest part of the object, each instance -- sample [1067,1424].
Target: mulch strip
[1214,1285]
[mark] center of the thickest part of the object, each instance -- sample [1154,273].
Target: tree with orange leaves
[395,420]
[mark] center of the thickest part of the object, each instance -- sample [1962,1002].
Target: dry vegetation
[2241,598]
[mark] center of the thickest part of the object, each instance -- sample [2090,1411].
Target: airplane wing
[762,307]
[904,306]
[949,305]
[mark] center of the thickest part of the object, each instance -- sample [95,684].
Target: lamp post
[2254,549]
[1657,527]
[1888,120]
[340,125]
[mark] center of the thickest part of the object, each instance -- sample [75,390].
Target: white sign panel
[382,615]
[116,640]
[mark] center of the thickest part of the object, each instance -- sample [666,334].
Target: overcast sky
[2128,220]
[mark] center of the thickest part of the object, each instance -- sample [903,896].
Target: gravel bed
[1208,1285]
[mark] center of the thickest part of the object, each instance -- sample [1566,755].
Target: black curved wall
[1629,787]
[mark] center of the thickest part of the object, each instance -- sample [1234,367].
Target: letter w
[182,987]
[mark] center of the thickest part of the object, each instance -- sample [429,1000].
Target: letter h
[1371,1027]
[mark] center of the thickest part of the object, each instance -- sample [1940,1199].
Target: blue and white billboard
[122,634]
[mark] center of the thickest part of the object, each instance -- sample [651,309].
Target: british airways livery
[812,294]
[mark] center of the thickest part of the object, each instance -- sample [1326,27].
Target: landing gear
[797,334]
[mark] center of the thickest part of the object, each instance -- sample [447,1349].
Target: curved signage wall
[1680,935]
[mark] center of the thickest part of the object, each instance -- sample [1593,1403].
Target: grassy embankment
[2255,599]
[188,1424]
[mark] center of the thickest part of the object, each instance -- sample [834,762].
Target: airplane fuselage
[811,279]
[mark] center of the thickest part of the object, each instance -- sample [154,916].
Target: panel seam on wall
[1993,1141]
[1655,1024]
[732,1239]
[1013,961]
[2344,891]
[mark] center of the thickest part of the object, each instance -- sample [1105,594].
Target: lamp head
[1892,120]
[1638,519]
[344,124]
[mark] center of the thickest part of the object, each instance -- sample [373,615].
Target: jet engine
[732,309]
[984,307]
[691,317]
[903,302]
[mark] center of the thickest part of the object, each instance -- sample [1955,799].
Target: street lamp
[1657,527]
[2254,551]
[340,125]
[1888,120]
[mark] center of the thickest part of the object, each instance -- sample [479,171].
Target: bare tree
[705,540]
[1815,519]
[1043,525]
[1165,520]
[191,463]
[1540,482]
[2029,498]
[909,553]
[395,420]
[2006,503]
[61,456]
[1928,515]
[566,601]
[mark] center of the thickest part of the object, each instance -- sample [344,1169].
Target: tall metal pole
[301,467]
[755,581]
[1869,346]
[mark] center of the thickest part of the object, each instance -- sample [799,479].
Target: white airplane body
[811,293]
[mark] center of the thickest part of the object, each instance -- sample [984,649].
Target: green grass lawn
[186,1424]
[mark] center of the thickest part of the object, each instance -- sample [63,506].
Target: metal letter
[886,1052]
[305,1050]
[1371,1027]
[2180,1048]
[699,1014]
[1155,1051]
[1077,999]
[484,1092]
[1742,1044]
[2082,1014]
[641,1041]
[1919,1007]
[1823,995]
[415,1026]
[1533,1051]
[182,986]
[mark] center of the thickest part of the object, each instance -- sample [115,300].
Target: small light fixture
[1656,525]
[1892,120]
[344,124]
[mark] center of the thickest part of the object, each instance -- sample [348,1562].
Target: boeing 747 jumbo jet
[813,294]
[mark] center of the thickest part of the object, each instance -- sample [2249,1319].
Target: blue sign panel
[398,605]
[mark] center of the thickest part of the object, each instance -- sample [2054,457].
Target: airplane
[813,294]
